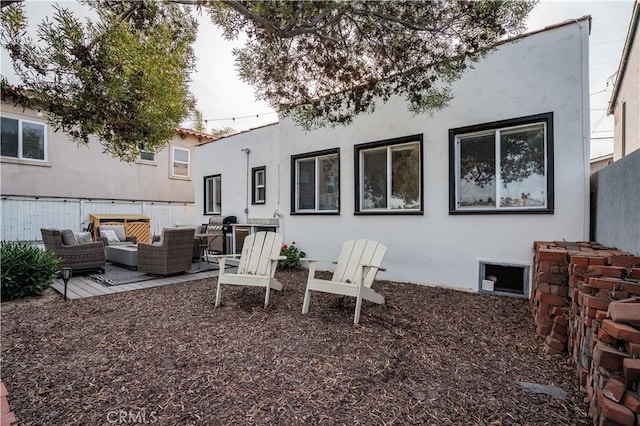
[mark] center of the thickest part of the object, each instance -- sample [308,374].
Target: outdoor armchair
[171,255]
[356,268]
[257,267]
[78,257]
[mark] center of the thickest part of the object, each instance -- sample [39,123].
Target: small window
[504,278]
[147,156]
[23,139]
[505,166]
[258,183]
[180,162]
[389,176]
[315,182]
[213,194]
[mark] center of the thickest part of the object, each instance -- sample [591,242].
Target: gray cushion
[119,230]
[68,238]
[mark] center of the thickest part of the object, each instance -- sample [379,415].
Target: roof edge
[239,133]
[624,58]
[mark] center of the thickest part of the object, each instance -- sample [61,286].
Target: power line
[602,63]
[607,42]
[239,117]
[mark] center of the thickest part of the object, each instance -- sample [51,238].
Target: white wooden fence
[22,217]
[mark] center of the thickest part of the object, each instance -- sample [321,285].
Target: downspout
[246,203]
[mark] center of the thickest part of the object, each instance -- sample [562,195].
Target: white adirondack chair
[258,263]
[356,268]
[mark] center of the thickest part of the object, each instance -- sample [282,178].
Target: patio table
[123,255]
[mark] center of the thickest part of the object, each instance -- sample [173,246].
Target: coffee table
[123,255]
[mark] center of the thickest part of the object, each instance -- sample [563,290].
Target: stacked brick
[598,322]
[550,299]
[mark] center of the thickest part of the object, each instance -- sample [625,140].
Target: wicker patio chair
[78,257]
[171,255]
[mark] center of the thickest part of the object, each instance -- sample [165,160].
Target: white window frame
[20,143]
[389,145]
[316,157]
[209,183]
[144,160]
[496,129]
[174,161]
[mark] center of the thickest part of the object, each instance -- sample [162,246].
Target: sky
[225,101]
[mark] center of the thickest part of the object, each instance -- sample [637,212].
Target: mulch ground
[166,356]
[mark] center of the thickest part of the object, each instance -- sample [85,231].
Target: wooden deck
[82,286]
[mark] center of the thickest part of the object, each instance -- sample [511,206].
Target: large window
[213,194]
[315,182]
[258,183]
[180,162]
[504,166]
[389,176]
[23,139]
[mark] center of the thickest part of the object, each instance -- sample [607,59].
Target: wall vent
[509,279]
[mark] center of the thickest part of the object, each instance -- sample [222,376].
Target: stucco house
[458,196]
[49,181]
[625,98]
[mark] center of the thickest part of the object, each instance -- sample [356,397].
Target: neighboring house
[598,163]
[625,99]
[457,196]
[47,180]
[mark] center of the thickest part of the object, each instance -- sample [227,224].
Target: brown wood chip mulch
[166,356]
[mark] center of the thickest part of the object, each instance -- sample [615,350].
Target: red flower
[284,247]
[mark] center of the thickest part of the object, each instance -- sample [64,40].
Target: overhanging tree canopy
[324,62]
[124,77]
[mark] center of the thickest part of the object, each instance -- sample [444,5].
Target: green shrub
[293,256]
[25,270]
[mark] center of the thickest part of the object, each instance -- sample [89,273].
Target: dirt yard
[166,356]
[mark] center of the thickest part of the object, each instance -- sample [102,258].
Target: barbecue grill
[221,228]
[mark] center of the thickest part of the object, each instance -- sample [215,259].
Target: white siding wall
[22,218]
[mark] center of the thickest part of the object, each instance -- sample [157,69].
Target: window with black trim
[315,182]
[388,176]
[504,166]
[258,183]
[213,194]
[21,139]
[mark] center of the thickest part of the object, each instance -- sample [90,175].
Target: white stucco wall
[544,72]
[225,157]
[78,171]
[629,94]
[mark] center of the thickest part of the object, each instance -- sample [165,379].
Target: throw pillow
[110,235]
[83,237]
[68,238]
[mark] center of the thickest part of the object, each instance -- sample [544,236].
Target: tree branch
[270,27]
[5,3]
